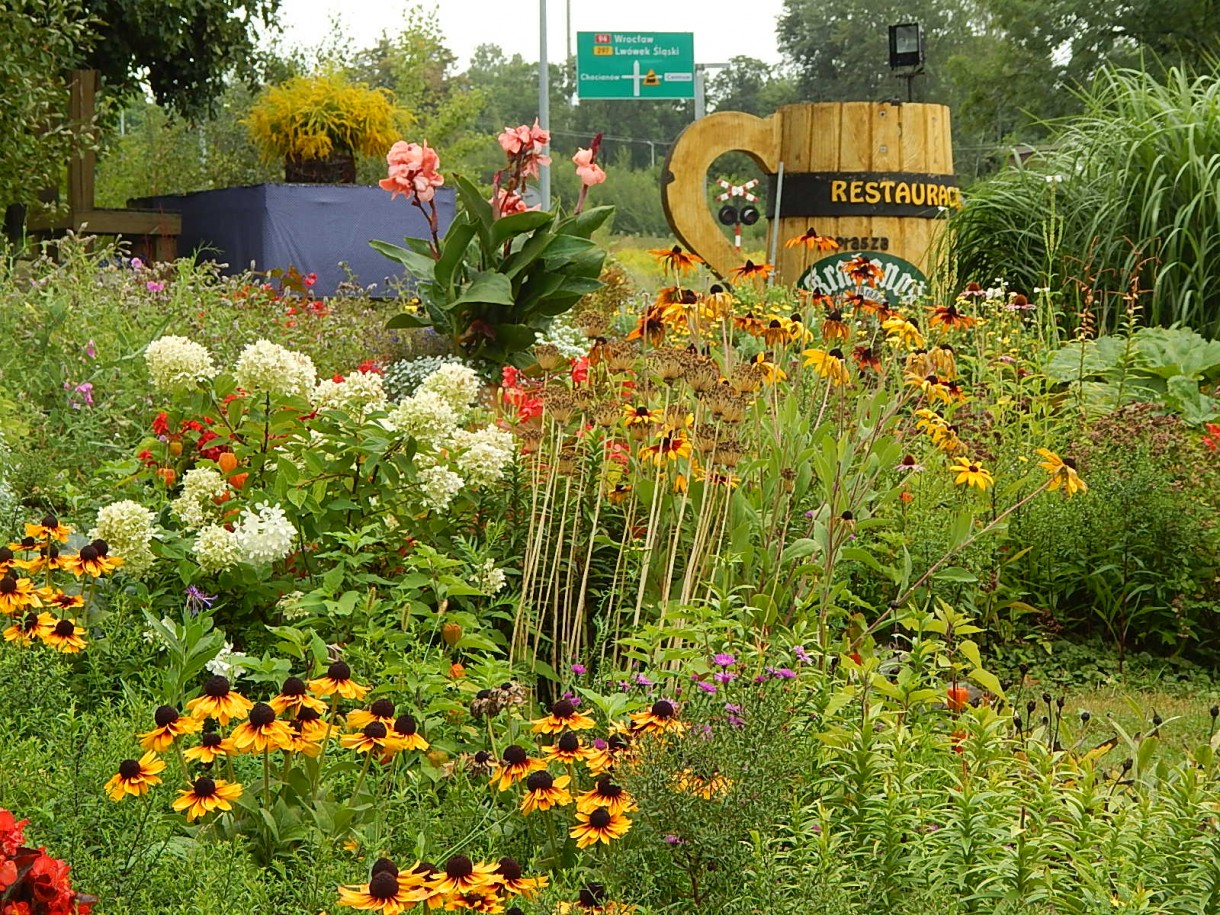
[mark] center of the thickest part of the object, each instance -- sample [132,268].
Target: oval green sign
[900,282]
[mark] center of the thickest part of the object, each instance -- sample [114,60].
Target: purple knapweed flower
[724,659]
[579,669]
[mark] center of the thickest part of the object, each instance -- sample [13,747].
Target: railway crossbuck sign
[635,65]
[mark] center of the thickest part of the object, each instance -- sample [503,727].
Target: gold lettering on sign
[902,193]
[838,192]
[917,194]
[856,188]
[886,187]
[871,193]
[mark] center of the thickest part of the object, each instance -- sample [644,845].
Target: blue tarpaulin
[312,227]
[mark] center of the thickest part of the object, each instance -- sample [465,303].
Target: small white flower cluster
[458,385]
[427,417]
[127,528]
[489,579]
[483,454]
[438,485]
[403,378]
[358,395]
[569,338]
[194,507]
[266,367]
[216,549]
[178,363]
[264,534]
[8,498]
[290,607]
[227,663]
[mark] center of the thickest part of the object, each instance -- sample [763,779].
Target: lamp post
[544,105]
[907,53]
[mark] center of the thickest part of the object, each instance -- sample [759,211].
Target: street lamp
[906,52]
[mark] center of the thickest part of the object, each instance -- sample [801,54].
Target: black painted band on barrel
[864,194]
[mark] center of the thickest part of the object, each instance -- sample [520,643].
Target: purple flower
[154,286]
[782,673]
[705,686]
[572,697]
[641,680]
[91,350]
[731,707]
[579,669]
[801,654]
[599,744]
[196,600]
[674,840]
[137,264]
[809,514]
[705,731]
[724,676]
[724,659]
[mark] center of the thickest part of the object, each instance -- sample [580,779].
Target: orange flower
[957,697]
[863,271]
[676,259]
[751,269]
[811,240]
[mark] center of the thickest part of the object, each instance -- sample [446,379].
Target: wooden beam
[82,109]
[112,222]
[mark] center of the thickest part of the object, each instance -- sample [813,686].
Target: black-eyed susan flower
[484,899]
[206,795]
[640,415]
[515,765]
[605,793]
[211,747]
[866,358]
[66,637]
[828,364]
[771,371]
[422,876]
[509,877]
[380,710]
[135,776]
[661,718]
[61,601]
[460,875]
[170,725]
[812,241]
[49,559]
[48,528]
[863,271]
[17,594]
[618,493]
[676,259]
[834,327]
[650,327]
[7,558]
[949,318]
[908,464]
[407,730]
[751,270]
[261,731]
[707,787]
[718,303]
[671,446]
[544,791]
[27,544]
[567,749]
[1062,473]
[92,562]
[33,625]
[386,892]
[294,696]
[564,715]
[971,473]
[944,361]
[750,324]
[904,330]
[300,742]
[373,736]
[310,723]
[598,825]
[219,701]
[339,680]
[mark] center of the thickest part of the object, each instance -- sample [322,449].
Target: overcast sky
[723,29]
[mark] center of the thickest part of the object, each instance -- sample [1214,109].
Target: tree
[752,86]
[38,41]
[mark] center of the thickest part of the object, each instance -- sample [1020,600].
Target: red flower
[1212,440]
[580,370]
[12,833]
[370,365]
[337,378]
[146,458]
[310,279]
[160,425]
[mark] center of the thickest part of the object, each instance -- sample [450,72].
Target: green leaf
[506,227]
[988,681]
[1170,351]
[798,549]
[1079,360]
[406,319]
[586,223]
[453,251]
[487,288]
[956,574]
[419,266]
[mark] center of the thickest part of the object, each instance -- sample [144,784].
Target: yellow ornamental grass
[311,118]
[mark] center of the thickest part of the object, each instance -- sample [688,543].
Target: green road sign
[635,65]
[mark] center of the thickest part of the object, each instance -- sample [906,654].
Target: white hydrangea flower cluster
[457,384]
[216,549]
[358,395]
[227,663]
[483,454]
[428,417]
[264,534]
[194,506]
[403,378]
[565,334]
[489,579]
[266,367]
[178,363]
[127,527]
[438,485]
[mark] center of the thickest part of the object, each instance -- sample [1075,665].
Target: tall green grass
[1130,188]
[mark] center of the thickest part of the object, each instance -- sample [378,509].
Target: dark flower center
[563,708]
[65,628]
[606,788]
[515,755]
[383,885]
[204,787]
[309,714]
[426,868]
[974,468]
[165,714]
[459,866]
[293,686]
[27,543]
[384,866]
[339,671]
[483,694]
[129,768]
[210,739]
[835,353]
[102,547]
[662,709]
[31,621]
[261,715]
[539,781]
[8,585]
[217,687]
[382,708]
[509,869]
[619,742]
[405,724]
[600,818]
[6,555]
[483,757]
[569,742]
[375,730]
[50,521]
[594,894]
[88,554]
[1070,463]
[847,516]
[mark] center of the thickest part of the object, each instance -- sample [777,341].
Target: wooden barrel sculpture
[874,176]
